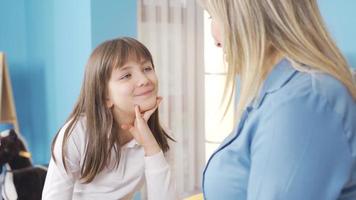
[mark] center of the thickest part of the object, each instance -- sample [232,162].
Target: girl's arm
[159,180]
[59,183]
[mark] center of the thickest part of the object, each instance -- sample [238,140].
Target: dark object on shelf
[21,179]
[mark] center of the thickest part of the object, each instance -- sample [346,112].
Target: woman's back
[296,141]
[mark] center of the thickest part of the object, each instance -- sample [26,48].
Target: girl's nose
[142,80]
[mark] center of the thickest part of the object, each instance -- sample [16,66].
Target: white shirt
[112,183]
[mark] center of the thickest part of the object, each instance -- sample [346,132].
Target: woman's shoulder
[292,81]
[339,99]
[317,88]
[335,92]
[311,95]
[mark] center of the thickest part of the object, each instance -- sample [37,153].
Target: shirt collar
[277,78]
[131,144]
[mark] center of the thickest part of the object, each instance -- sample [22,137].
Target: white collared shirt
[112,183]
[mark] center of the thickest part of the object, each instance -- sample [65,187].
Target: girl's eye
[126,76]
[147,69]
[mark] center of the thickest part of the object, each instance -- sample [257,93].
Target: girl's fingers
[125,126]
[159,98]
[137,112]
[128,127]
[131,129]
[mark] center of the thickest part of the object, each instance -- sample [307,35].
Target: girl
[112,142]
[296,132]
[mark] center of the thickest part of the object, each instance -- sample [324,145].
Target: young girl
[112,142]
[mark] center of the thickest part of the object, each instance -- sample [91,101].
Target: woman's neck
[273,57]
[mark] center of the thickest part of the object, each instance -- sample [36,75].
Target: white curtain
[173,32]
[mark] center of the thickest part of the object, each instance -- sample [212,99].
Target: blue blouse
[296,141]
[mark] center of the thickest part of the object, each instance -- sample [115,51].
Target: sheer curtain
[173,31]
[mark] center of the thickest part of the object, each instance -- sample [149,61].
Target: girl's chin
[148,104]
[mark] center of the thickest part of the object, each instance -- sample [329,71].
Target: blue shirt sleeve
[301,153]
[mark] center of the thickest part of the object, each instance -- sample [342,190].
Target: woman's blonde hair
[101,129]
[256,31]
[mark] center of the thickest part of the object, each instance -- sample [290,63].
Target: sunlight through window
[216,127]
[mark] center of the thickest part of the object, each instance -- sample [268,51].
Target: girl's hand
[141,132]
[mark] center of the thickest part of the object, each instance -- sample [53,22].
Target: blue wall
[340,17]
[32,106]
[105,17]
[47,44]
[71,47]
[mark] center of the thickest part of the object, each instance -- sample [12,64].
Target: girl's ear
[109,103]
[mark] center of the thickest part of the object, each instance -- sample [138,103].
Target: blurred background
[47,43]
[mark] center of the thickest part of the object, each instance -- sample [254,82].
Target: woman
[296,132]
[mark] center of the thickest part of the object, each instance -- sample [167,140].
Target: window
[216,129]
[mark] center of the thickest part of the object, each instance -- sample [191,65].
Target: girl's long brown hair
[100,127]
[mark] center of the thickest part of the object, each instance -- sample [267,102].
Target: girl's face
[135,83]
[216,33]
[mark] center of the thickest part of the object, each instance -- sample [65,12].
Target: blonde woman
[295,136]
